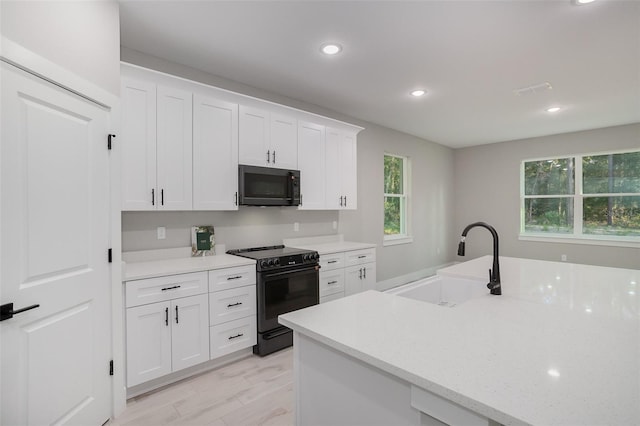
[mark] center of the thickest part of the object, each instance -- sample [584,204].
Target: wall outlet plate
[162,232]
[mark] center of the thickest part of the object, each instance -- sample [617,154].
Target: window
[590,197]
[396,193]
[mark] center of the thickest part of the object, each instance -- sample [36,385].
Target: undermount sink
[442,291]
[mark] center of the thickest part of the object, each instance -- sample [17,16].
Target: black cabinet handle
[170,288]
[332,261]
[268,156]
[236,336]
[166,317]
[332,282]
[345,201]
[176,314]
[7,311]
[153,197]
[362,256]
[162,197]
[360,275]
[364,275]
[237,277]
[231,305]
[274,157]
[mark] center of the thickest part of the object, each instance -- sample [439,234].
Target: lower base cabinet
[359,278]
[232,336]
[164,337]
[346,273]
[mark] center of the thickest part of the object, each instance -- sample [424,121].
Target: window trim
[577,236]
[405,237]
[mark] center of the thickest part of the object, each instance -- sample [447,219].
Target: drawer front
[227,278]
[358,257]
[142,292]
[232,336]
[331,261]
[331,297]
[331,282]
[233,304]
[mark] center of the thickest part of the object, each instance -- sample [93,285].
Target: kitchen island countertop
[560,346]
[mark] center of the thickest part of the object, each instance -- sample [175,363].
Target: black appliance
[286,280]
[267,186]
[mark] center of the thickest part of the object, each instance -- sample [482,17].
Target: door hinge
[111,368]
[109,140]
[110,255]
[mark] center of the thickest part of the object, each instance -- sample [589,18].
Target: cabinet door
[334,196]
[148,342]
[360,278]
[138,143]
[174,145]
[253,147]
[189,317]
[348,165]
[284,142]
[215,154]
[312,165]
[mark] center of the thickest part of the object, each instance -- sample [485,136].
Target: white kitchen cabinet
[267,139]
[359,278]
[347,272]
[156,145]
[341,170]
[166,336]
[215,154]
[311,161]
[166,332]
[232,310]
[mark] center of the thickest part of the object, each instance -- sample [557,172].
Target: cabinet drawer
[224,279]
[331,297]
[358,257]
[232,336]
[331,261]
[331,282]
[142,292]
[228,305]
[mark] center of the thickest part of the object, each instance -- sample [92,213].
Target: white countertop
[157,268]
[561,346]
[326,244]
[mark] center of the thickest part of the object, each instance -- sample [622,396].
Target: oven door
[285,291]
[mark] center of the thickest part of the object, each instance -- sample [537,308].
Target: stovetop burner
[275,257]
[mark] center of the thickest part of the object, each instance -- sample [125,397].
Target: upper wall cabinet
[267,139]
[311,160]
[341,170]
[215,154]
[156,147]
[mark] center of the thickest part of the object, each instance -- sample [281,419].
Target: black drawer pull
[332,282]
[236,336]
[234,304]
[332,261]
[171,288]
[362,256]
[237,277]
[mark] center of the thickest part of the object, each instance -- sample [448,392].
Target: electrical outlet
[335,224]
[162,232]
[296,226]
[563,257]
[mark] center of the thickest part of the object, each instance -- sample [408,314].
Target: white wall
[81,36]
[432,199]
[487,188]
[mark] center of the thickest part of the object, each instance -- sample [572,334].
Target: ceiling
[470,56]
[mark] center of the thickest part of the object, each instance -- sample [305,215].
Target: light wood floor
[252,391]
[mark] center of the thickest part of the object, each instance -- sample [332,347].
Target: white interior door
[55,229]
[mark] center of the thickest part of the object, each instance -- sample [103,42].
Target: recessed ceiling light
[579,2]
[418,93]
[330,48]
[553,109]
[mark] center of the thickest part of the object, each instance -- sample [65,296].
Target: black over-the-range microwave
[267,186]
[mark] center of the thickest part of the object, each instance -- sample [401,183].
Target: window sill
[394,241]
[586,240]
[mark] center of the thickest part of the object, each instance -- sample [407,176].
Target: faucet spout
[494,273]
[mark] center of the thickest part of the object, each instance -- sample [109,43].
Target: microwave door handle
[291,179]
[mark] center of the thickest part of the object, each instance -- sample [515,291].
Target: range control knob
[315,256]
[305,257]
[276,262]
[270,262]
[263,264]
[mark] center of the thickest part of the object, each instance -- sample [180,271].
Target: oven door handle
[292,271]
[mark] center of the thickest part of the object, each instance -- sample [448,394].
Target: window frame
[577,236]
[405,199]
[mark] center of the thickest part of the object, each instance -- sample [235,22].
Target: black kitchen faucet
[494,273]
